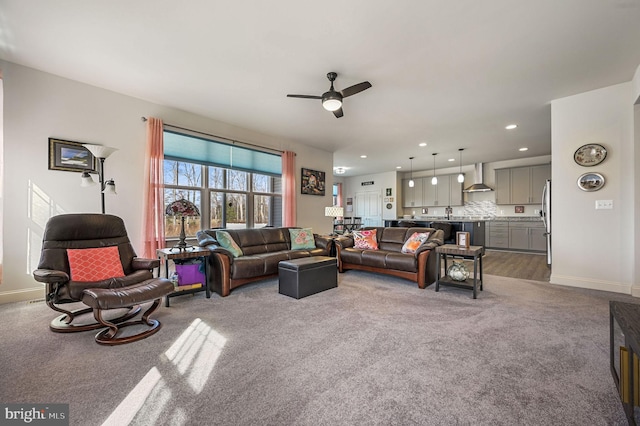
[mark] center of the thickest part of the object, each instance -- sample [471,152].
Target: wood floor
[527,266]
[516,265]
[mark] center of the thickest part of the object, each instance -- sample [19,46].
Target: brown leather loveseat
[262,250]
[420,267]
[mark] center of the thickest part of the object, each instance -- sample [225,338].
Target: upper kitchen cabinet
[412,197]
[447,192]
[521,185]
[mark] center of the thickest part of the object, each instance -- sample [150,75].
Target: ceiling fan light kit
[332,99]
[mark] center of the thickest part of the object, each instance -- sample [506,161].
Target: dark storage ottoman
[306,276]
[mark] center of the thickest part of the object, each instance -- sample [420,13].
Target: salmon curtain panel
[153,220]
[289,188]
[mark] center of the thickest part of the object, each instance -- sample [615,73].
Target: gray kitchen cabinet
[527,235]
[455,193]
[503,186]
[538,238]
[539,176]
[429,193]
[412,197]
[521,185]
[448,191]
[518,238]
[498,233]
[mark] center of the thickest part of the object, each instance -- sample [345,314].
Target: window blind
[181,147]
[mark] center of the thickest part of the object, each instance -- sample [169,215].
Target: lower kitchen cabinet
[498,234]
[517,235]
[527,236]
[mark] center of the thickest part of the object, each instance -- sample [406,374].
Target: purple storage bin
[190,274]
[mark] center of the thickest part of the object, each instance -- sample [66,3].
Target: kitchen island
[475,228]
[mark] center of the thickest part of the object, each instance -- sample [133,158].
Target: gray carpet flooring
[376,350]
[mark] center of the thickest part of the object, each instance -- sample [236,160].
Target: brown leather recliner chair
[81,231]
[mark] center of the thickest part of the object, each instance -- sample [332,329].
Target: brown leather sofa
[420,267]
[262,248]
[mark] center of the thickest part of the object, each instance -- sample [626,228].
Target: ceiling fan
[332,100]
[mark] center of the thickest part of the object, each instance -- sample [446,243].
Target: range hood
[478,186]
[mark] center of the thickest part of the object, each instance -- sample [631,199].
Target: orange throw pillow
[365,239]
[414,242]
[95,264]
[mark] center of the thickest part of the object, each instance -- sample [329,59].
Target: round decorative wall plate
[590,154]
[590,182]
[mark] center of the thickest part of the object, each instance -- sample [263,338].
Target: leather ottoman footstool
[306,276]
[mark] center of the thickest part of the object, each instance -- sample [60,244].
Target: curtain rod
[219,137]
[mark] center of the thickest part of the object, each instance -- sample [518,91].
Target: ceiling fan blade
[338,113]
[304,96]
[356,88]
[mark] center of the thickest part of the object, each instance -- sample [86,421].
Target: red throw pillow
[95,264]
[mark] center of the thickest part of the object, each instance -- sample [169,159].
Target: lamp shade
[110,187]
[86,180]
[182,207]
[334,211]
[100,151]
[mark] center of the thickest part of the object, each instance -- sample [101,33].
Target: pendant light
[460,176]
[411,182]
[434,179]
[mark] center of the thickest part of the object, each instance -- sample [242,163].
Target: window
[229,195]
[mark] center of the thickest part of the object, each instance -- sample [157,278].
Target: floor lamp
[106,187]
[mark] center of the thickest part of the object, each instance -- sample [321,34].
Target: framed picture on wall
[70,156]
[312,182]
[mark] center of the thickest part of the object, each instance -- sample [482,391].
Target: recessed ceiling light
[422,144]
[398,167]
[363,156]
[524,149]
[451,159]
[511,126]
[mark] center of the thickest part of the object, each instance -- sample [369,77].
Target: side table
[189,253]
[473,252]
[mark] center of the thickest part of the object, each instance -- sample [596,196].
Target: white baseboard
[581,282]
[22,295]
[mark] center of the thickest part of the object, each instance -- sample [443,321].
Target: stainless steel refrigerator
[545,212]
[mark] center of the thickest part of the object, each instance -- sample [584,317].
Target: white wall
[381,181]
[37,106]
[594,248]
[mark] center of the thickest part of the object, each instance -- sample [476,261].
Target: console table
[624,328]
[166,254]
[473,252]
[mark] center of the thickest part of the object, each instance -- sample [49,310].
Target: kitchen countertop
[477,219]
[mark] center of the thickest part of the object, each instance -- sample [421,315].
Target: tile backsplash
[485,209]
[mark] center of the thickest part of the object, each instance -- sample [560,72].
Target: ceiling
[449,74]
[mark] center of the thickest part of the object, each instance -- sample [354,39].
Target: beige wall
[594,248]
[37,106]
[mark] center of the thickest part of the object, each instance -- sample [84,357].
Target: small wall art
[313,182]
[519,209]
[70,156]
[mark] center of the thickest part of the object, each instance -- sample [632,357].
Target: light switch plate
[604,204]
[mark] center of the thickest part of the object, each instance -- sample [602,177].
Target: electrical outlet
[604,204]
